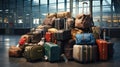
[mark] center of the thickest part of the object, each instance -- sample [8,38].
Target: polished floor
[6,41]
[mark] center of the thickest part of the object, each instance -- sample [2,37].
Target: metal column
[101,12]
[71,6]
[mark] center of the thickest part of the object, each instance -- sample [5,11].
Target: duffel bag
[85,38]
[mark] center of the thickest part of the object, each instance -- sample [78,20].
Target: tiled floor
[5,61]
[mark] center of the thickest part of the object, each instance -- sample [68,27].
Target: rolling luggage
[103,49]
[60,23]
[34,52]
[85,53]
[52,51]
[50,37]
[84,20]
[110,50]
[85,38]
[15,51]
[63,34]
[68,49]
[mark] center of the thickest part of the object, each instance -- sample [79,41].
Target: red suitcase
[50,37]
[103,49]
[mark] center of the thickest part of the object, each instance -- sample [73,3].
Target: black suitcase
[60,23]
[63,35]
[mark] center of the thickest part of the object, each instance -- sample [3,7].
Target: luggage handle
[84,7]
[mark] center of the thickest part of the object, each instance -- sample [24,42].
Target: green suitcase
[34,52]
[52,51]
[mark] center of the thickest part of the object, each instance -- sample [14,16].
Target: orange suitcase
[103,49]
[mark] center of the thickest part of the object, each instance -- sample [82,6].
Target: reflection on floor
[5,61]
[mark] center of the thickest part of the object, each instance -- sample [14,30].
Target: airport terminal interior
[18,17]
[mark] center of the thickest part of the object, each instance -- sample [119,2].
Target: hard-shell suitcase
[110,50]
[52,51]
[63,34]
[34,52]
[15,51]
[50,37]
[103,49]
[68,49]
[85,53]
[60,23]
[85,38]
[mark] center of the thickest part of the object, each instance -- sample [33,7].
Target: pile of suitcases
[62,37]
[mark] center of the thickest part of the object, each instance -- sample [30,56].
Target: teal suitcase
[52,51]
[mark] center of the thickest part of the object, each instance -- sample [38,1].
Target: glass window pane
[52,8]
[43,1]
[27,3]
[35,2]
[52,1]
[35,8]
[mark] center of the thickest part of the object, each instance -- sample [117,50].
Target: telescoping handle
[85,3]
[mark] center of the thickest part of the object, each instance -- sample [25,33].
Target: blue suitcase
[85,38]
[52,51]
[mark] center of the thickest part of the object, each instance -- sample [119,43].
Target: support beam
[71,6]
[90,8]
[101,12]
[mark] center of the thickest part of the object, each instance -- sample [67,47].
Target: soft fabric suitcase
[96,32]
[103,49]
[34,52]
[85,53]
[63,34]
[52,51]
[35,36]
[85,38]
[15,51]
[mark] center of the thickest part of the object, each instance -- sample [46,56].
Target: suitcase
[50,37]
[60,23]
[52,51]
[103,49]
[85,53]
[68,49]
[63,35]
[110,50]
[15,51]
[36,36]
[85,38]
[33,53]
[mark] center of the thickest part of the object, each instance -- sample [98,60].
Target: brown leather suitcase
[103,49]
[15,51]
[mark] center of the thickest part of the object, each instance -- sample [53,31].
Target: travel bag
[63,34]
[52,51]
[60,23]
[34,53]
[85,53]
[103,49]
[68,49]
[50,37]
[85,38]
[84,20]
[15,51]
